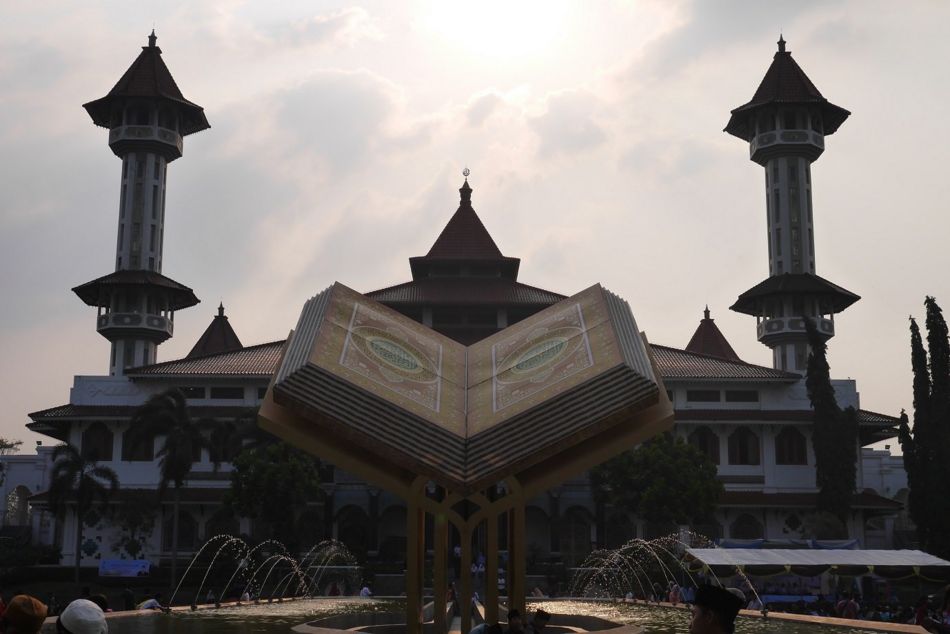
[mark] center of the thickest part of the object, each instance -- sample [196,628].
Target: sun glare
[497,28]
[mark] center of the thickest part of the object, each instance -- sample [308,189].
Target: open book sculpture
[390,399]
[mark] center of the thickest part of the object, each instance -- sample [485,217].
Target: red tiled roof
[180,295]
[497,291]
[149,77]
[217,338]
[70,411]
[785,82]
[680,364]
[832,297]
[253,361]
[710,341]
[866,499]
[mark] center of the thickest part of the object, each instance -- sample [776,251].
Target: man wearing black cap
[714,611]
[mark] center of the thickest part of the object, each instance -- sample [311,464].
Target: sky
[593,132]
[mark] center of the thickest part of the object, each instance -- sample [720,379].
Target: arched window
[743,447]
[392,534]
[223,522]
[187,531]
[576,535]
[353,530]
[97,443]
[746,527]
[707,442]
[790,447]
[141,451]
[537,530]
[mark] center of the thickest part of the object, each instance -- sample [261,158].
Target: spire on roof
[710,341]
[152,39]
[781,43]
[218,337]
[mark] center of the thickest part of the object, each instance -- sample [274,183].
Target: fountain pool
[279,618]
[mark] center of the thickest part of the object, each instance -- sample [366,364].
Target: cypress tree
[926,447]
[834,433]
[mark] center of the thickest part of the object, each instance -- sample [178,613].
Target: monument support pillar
[517,559]
[465,598]
[440,585]
[415,555]
[491,569]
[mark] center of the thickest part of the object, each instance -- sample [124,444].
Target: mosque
[753,422]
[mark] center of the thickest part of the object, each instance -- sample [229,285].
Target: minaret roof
[217,338]
[148,77]
[831,297]
[710,341]
[465,239]
[785,83]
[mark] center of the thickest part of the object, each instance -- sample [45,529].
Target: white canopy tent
[892,564]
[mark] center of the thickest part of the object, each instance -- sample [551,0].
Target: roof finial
[706,312]
[466,189]
[152,39]
[781,43]
[221,309]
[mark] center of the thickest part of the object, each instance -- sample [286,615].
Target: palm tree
[75,477]
[166,414]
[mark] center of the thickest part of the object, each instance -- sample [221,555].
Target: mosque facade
[754,422]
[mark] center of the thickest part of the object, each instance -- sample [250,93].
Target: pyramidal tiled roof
[679,364]
[709,340]
[465,237]
[785,83]
[218,337]
[148,77]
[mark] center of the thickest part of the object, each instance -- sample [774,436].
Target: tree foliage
[664,480]
[834,434]
[135,520]
[926,447]
[7,447]
[166,415]
[273,483]
[83,482]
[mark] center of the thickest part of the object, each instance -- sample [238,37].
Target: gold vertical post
[440,586]
[491,568]
[516,557]
[415,544]
[465,598]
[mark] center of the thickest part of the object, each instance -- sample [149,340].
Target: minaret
[785,124]
[147,117]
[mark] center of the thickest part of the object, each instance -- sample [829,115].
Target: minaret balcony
[122,325]
[768,145]
[163,140]
[778,328]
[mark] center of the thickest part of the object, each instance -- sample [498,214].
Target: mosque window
[811,240]
[137,449]
[742,396]
[122,203]
[746,527]
[775,172]
[707,442]
[154,203]
[776,205]
[743,447]
[128,352]
[790,123]
[261,393]
[121,234]
[778,240]
[227,392]
[97,443]
[151,237]
[189,391]
[791,447]
[702,396]
[140,165]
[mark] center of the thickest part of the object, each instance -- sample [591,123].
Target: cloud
[568,127]
[482,107]
[341,28]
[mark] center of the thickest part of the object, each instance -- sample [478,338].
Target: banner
[124,567]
